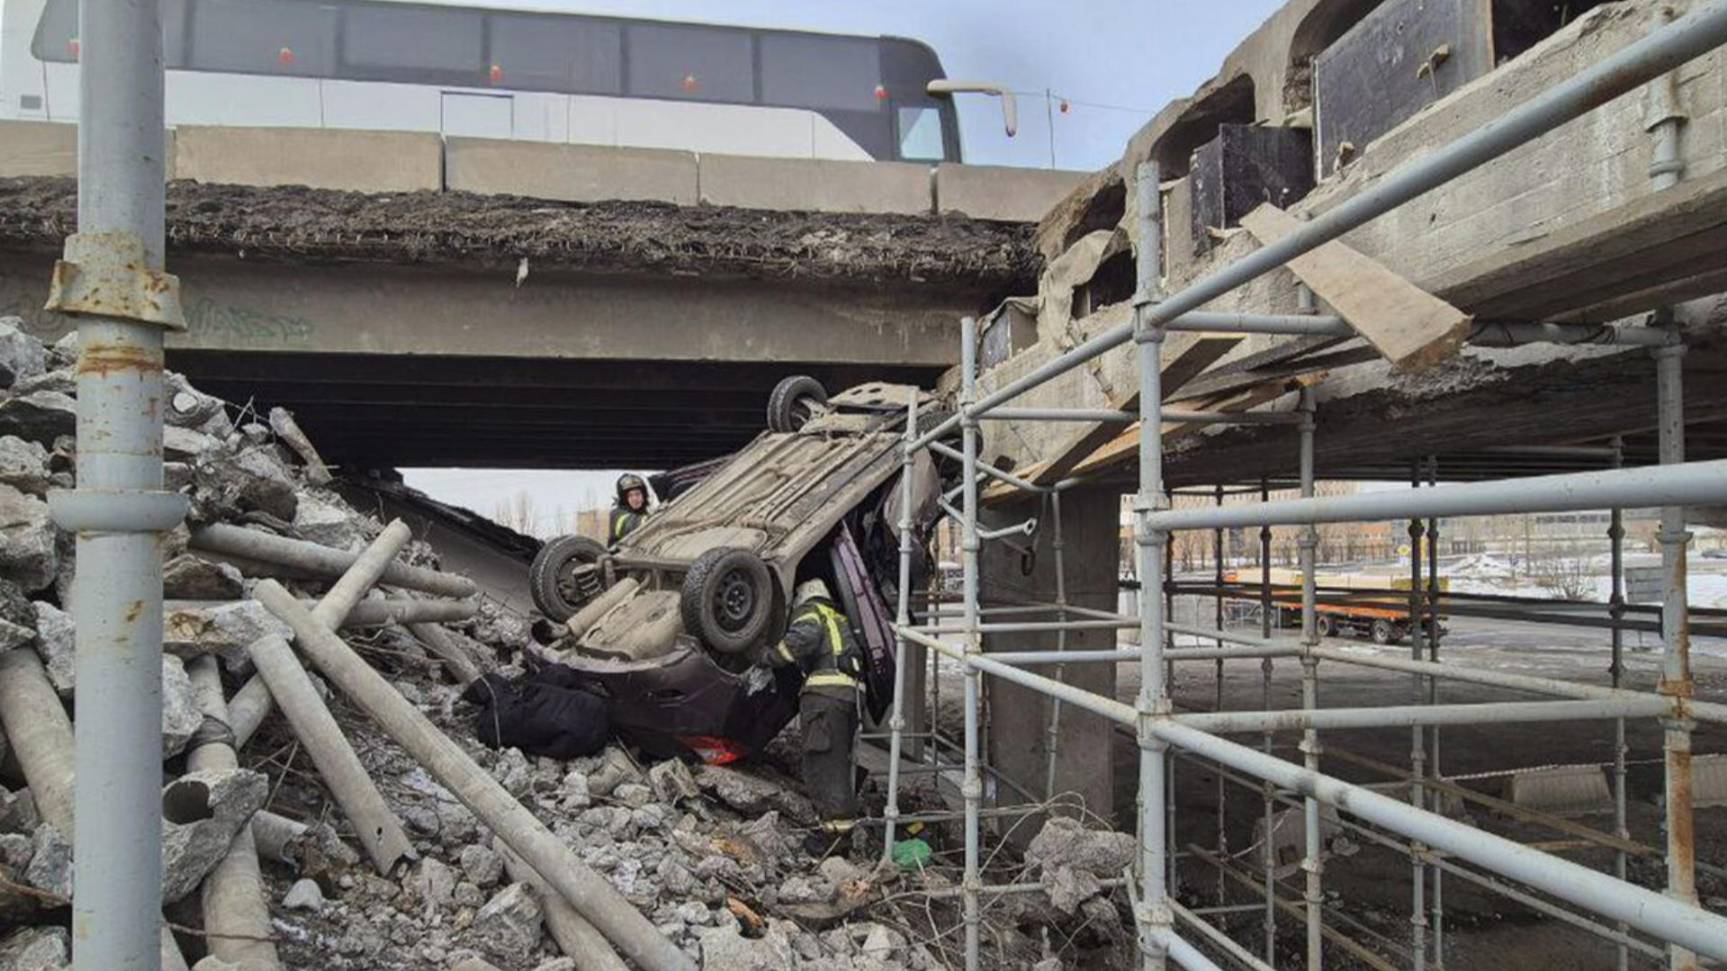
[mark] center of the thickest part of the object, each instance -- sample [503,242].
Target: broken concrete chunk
[23,465]
[189,577]
[54,641]
[673,782]
[40,416]
[329,522]
[64,351]
[508,926]
[221,629]
[1065,842]
[304,895]
[254,480]
[434,882]
[752,795]
[481,866]
[50,869]
[185,444]
[190,408]
[201,812]
[17,617]
[1068,888]
[180,715]
[62,380]
[473,964]
[16,905]
[27,553]
[21,354]
[36,949]
[727,949]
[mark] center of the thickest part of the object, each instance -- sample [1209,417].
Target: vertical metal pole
[119,507]
[1666,167]
[1312,862]
[972,787]
[1616,672]
[1676,637]
[1052,744]
[1154,917]
[1417,747]
[1222,794]
[896,724]
[1269,920]
[1436,899]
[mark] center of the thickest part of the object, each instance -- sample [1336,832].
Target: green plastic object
[912,854]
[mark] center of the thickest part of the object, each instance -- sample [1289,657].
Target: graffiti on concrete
[210,323]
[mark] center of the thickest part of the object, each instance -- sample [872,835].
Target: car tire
[555,581]
[1326,626]
[794,402]
[1383,632]
[728,600]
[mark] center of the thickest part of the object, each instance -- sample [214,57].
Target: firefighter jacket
[624,522]
[820,642]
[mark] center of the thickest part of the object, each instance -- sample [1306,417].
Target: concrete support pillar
[1091,522]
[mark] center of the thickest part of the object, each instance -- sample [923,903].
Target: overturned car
[671,626]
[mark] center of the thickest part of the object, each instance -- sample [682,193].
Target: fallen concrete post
[247,709]
[378,829]
[288,430]
[235,913]
[589,893]
[41,738]
[371,613]
[438,641]
[580,941]
[298,554]
[274,836]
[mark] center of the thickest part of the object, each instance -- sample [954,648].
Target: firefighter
[820,642]
[631,508]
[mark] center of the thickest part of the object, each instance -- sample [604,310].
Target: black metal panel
[1246,165]
[1400,58]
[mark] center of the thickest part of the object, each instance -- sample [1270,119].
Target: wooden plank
[1199,354]
[1411,327]
[1215,384]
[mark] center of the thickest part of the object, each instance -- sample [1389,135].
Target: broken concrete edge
[586,891]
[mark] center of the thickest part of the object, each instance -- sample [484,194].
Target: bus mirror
[1009,106]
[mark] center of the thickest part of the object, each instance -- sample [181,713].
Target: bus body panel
[479,69]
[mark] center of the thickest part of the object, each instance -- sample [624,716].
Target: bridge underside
[384,410]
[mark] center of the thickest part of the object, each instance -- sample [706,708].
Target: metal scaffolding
[1669,924]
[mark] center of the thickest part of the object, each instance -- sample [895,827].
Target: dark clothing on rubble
[820,642]
[624,522]
[542,713]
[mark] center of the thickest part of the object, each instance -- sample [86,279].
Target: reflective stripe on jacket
[819,640]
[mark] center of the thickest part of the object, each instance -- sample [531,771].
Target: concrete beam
[569,173]
[815,185]
[322,158]
[1001,192]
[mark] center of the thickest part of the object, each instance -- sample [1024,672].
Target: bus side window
[561,53]
[691,63]
[415,45]
[837,73]
[264,37]
[920,134]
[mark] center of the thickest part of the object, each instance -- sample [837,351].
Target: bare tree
[1568,574]
[518,513]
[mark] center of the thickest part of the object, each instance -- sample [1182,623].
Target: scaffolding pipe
[323,561]
[971,786]
[1623,71]
[1479,713]
[1648,911]
[1294,325]
[1313,862]
[1436,929]
[896,721]
[1184,954]
[1268,920]
[111,279]
[1691,483]
[1218,938]
[1052,743]
[1616,674]
[1132,654]
[588,892]
[1676,680]
[1417,747]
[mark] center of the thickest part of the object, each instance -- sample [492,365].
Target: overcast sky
[1114,63]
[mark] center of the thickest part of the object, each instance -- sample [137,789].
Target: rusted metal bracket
[107,275]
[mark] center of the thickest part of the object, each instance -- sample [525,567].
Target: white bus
[509,72]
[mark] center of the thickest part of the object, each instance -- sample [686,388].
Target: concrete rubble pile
[309,824]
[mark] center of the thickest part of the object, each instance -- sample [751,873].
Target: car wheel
[1384,632]
[565,576]
[1326,626]
[794,402]
[728,600]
